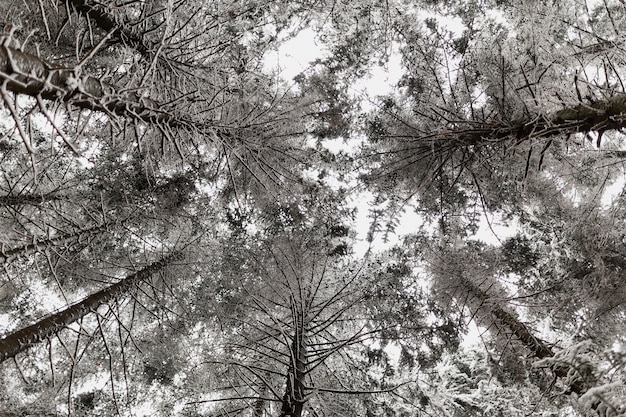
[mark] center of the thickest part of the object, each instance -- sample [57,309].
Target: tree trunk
[28,74]
[294,398]
[259,406]
[7,255]
[539,349]
[27,199]
[609,114]
[123,33]
[21,340]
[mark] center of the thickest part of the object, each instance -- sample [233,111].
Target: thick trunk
[28,74]
[7,255]
[609,114]
[459,143]
[539,349]
[21,340]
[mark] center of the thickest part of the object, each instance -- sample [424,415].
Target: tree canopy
[181,235]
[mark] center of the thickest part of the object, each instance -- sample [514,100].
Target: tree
[18,341]
[131,127]
[8,254]
[469,277]
[514,102]
[516,119]
[476,294]
[302,324]
[138,108]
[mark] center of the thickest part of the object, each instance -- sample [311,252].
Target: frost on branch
[606,396]
[576,358]
[607,399]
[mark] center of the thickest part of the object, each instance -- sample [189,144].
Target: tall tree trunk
[29,74]
[539,349]
[28,199]
[463,138]
[458,142]
[101,15]
[295,397]
[21,340]
[7,255]
[609,114]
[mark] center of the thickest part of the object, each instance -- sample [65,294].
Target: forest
[181,226]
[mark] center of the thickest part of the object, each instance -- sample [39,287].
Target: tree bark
[21,340]
[28,74]
[539,349]
[609,114]
[99,14]
[295,396]
[600,116]
[27,199]
[7,255]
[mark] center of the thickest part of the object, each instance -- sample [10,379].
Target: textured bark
[295,396]
[28,74]
[122,32]
[609,114]
[21,340]
[28,199]
[7,255]
[468,142]
[539,349]
[600,116]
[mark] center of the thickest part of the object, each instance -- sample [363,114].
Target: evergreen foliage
[179,236]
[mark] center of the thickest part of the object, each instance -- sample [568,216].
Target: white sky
[295,55]
[612,192]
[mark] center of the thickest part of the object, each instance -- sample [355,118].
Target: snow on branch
[28,74]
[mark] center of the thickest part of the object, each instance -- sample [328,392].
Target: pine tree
[18,341]
[130,127]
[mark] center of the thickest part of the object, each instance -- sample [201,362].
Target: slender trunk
[27,199]
[259,403]
[539,349]
[7,255]
[259,406]
[21,340]
[295,397]
[128,35]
